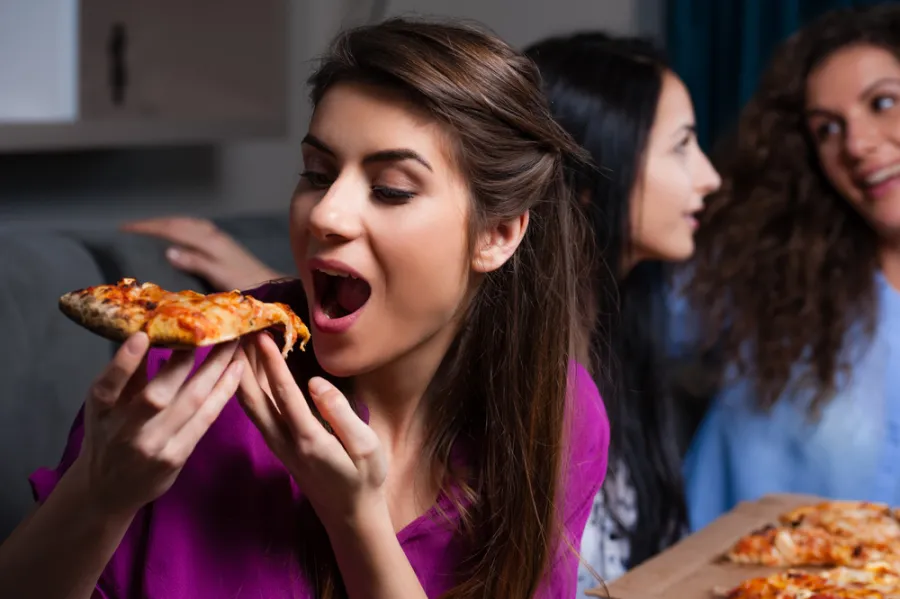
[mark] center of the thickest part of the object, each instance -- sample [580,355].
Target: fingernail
[173,254]
[318,385]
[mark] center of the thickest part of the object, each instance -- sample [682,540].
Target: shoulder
[587,413]
[583,470]
[587,436]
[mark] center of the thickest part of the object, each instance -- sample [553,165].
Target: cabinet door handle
[118,64]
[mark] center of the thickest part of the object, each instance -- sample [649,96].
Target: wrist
[91,503]
[368,525]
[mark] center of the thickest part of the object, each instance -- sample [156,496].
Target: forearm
[373,564]
[60,551]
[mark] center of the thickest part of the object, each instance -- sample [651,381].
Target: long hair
[502,388]
[784,265]
[605,92]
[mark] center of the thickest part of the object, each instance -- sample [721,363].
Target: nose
[337,216]
[861,138]
[708,179]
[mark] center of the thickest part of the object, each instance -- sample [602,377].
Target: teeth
[883,175]
[335,273]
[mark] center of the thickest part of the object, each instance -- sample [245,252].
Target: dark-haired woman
[797,276]
[622,103]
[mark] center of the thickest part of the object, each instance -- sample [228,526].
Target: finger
[158,393]
[194,393]
[259,407]
[125,365]
[358,438]
[249,346]
[182,444]
[137,382]
[183,231]
[184,258]
[287,395]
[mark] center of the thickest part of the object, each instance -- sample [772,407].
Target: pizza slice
[861,520]
[178,319]
[840,583]
[877,576]
[808,546]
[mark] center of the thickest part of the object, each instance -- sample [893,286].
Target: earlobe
[498,243]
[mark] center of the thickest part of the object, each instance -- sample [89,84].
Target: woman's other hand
[199,247]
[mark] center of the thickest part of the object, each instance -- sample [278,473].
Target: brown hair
[502,389]
[784,265]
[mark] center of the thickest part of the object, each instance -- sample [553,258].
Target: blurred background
[117,109]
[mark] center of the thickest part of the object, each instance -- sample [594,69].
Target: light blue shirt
[851,452]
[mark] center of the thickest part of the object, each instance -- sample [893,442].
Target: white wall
[94,189]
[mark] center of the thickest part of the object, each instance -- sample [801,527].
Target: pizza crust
[178,320]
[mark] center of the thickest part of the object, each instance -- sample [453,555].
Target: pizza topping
[858,541]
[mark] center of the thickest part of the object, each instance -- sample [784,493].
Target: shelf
[15,138]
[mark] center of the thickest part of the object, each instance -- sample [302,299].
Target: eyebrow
[865,92]
[395,155]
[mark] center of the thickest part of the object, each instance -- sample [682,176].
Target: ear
[498,243]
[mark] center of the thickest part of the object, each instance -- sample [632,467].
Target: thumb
[358,439]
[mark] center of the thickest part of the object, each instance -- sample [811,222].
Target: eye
[317,180]
[883,102]
[826,129]
[684,143]
[391,195]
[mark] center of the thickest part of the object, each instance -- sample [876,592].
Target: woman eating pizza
[439,439]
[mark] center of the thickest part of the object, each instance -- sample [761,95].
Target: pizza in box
[829,550]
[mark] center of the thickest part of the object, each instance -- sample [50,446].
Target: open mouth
[339,294]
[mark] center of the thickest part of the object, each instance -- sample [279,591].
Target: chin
[680,253]
[343,361]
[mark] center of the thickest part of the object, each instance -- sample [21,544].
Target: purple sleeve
[588,445]
[44,480]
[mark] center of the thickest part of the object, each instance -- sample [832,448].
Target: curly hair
[784,267]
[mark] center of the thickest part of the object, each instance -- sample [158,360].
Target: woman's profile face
[853,117]
[676,177]
[379,225]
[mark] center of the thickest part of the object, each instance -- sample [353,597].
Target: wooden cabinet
[155,72]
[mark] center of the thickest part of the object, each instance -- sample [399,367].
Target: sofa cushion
[46,361]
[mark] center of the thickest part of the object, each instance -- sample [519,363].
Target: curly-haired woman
[797,276]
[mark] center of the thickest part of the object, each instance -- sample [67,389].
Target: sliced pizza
[808,546]
[178,319]
[861,520]
[841,583]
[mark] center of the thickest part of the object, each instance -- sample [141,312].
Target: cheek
[660,228]
[425,262]
[838,174]
[298,226]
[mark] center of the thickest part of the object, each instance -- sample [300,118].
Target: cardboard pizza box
[692,568]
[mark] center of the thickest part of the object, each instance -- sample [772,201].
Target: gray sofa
[46,361]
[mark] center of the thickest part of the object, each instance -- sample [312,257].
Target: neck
[889,256]
[395,392]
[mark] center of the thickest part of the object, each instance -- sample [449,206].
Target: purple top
[228,526]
